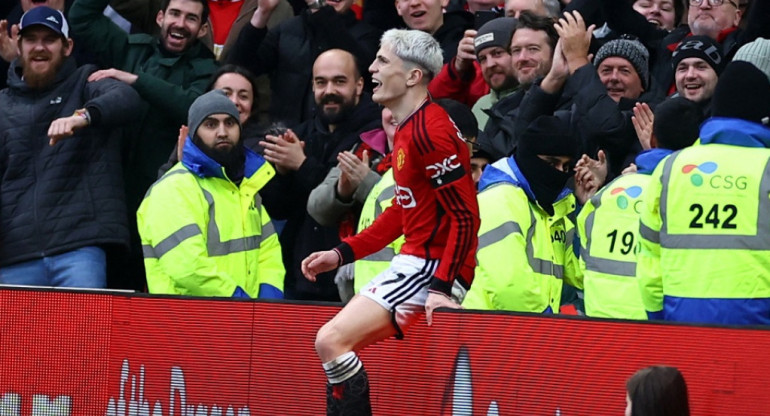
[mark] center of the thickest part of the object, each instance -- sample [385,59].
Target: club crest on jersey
[400,159]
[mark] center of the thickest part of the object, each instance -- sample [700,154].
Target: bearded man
[305,156]
[203,227]
[62,208]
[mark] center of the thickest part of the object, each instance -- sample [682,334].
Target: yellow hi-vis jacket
[524,254]
[204,235]
[705,229]
[379,198]
[608,226]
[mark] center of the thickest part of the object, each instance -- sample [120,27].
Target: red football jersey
[435,204]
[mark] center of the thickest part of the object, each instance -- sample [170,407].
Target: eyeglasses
[713,3]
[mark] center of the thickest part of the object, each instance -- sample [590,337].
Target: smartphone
[483,16]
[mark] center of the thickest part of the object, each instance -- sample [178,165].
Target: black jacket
[287,53]
[302,235]
[498,138]
[55,199]
[598,121]
[452,31]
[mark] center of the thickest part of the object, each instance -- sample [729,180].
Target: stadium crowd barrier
[108,354]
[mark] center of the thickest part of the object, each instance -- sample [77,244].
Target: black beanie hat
[549,135]
[702,47]
[743,91]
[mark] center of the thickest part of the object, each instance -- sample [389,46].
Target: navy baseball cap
[46,16]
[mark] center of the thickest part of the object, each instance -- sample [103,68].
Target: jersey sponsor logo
[442,168]
[400,159]
[405,197]
[631,192]
[715,181]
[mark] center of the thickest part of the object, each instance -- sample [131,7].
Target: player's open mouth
[377,84]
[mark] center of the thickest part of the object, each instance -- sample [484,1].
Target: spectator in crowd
[608,224]
[344,112]
[599,98]
[550,8]
[359,191]
[287,52]
[240,86]
[203,227]
[664,14]
[62,195]
[428,16]
[532,46]
[697,63]
[525,240]
[492,46]
[9,30]
[463,78]
[706,206]
[225,20]
[657,391]
[436,211]
[717,19]
[168,71]
[623,68]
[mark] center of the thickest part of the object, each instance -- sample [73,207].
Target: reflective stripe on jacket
[204,235]
[705,253]
[523,252]
[379,198]
[608,226]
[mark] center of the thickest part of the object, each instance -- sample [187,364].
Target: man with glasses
[712,17]
[717,19]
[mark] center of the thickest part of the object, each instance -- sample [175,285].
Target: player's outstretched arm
[319,262]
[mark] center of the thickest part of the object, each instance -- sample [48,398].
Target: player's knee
[328,342]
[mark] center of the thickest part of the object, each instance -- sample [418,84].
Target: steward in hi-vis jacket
[608,224]
[525,240]
[705,222]
[204,230]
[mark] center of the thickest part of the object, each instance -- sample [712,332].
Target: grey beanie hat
[632,51]
[212,102]
[757,53]
[496,32]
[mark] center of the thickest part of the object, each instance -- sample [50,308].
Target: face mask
[545,181]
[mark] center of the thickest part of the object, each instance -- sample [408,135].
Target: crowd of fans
[120,170]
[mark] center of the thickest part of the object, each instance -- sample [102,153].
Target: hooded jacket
[536,248]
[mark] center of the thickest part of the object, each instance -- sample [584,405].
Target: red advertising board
[67,353]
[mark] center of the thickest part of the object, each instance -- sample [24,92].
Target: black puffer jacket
[55,199]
